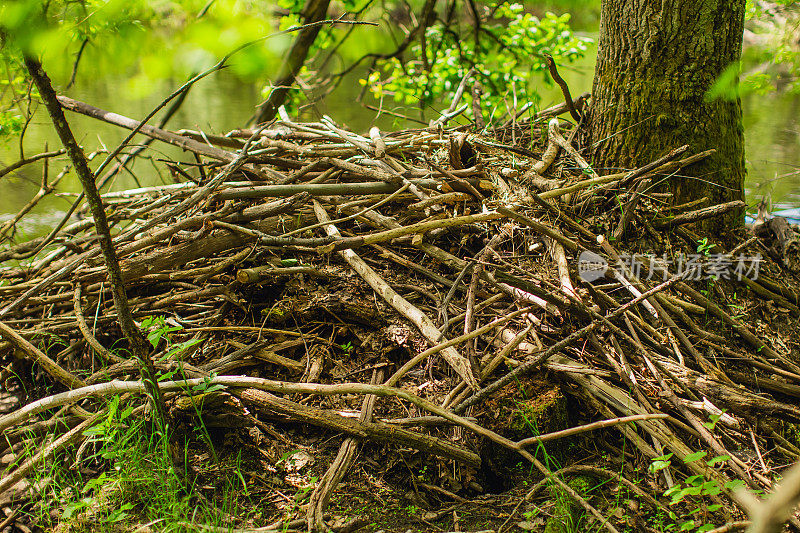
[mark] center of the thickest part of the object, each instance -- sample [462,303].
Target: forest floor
[420,330]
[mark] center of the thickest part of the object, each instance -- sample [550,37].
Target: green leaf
[692,457]
[726,86]
[695,480]
[718,459]
[70,509]
[126,412]
[678,497]
[655,466]
[734,485]
[181,347]
[166,376]
[693,491]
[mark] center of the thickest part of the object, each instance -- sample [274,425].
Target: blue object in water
[792,216]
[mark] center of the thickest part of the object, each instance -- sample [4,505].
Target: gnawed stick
[565,144]
[541,227]
[372,430]
[459,363]
[469,315]
[641,171]
[550,152]
[452,342]
[342,243]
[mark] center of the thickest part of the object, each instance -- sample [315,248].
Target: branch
[136,340]
[313,12]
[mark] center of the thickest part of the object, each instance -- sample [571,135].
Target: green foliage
[507,53]
[694,491]
[712,423]
[143,484]
[141,480]
[726,86]
[660,463]
[704,247]
[157,329]
[143,39]
[773,33]
[566,515]
[775,26]
[14,87]
[325,40]
[411,510]
[347,347]
[147,40]
[10,125]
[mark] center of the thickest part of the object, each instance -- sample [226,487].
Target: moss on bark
[656,62]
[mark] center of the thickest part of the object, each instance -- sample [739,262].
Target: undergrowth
[132,475]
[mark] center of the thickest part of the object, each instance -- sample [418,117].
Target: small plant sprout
[704,247]
[346,347]
[158,328]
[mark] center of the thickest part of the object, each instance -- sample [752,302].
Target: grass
[564,517]
[126,474]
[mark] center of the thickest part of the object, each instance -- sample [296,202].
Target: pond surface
[220,103]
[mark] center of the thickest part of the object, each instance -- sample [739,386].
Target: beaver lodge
[427,329]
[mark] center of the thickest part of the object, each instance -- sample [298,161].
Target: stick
[22,162]
[138,344]
[551,64]
[70,437]
[51,367]
[157,133]
[99,348]
[696,216]
[589,427]
[459,363]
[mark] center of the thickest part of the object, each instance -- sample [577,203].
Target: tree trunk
[313,11]
[655,63]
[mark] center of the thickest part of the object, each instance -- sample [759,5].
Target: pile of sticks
[288,260]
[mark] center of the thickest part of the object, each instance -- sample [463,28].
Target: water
[217,104]
[220,103]
[772,144]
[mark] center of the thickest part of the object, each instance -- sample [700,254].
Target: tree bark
[656,61]
[313,11]
[138,344]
